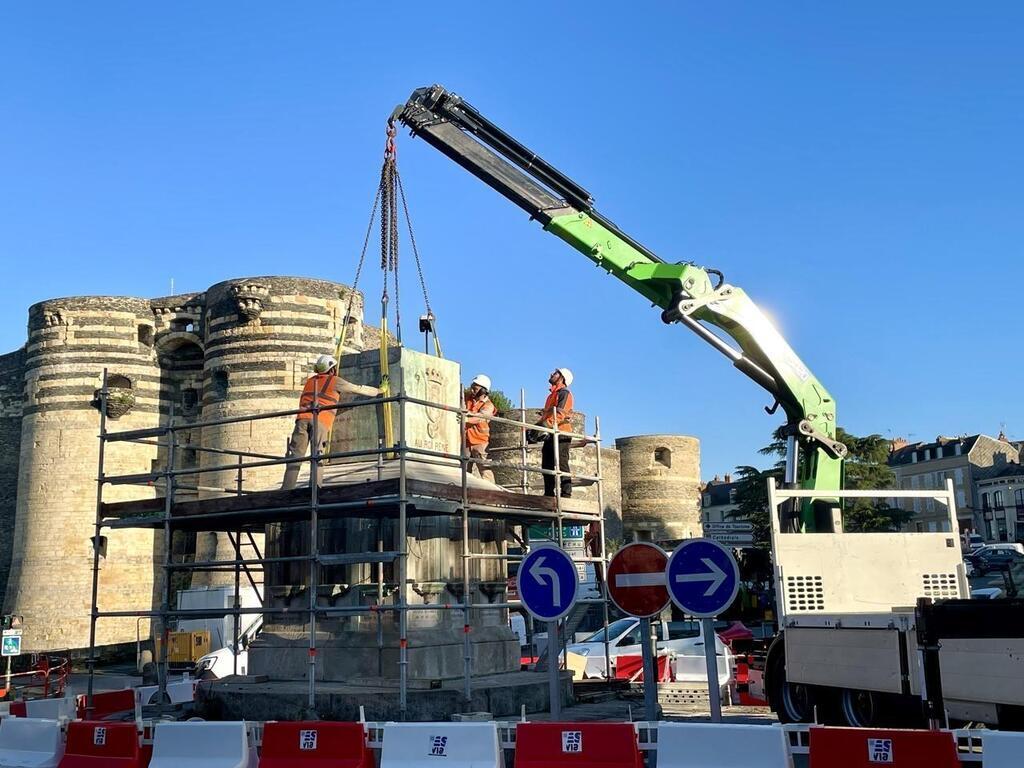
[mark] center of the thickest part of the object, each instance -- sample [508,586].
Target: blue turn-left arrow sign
[547,582]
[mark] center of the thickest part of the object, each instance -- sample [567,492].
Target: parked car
[1007,546]
[684,638]
[994,560]
[969,542]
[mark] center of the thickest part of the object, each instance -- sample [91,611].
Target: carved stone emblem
[435,394]
[249,298]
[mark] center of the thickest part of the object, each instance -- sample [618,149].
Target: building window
[220,384]
[732,495]
[984,501]
[706,499]
[958,475]
[957,449]
[913,457]
[927,454]
[146,335]
[997,500]
[663,456]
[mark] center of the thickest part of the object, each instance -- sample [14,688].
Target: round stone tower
[262,337]
[70,342]
[660,487]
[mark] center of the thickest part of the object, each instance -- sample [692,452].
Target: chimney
[898,443]
[728,478]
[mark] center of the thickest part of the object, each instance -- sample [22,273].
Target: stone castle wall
[244,346]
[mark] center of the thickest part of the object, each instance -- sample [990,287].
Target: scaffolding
[242,511]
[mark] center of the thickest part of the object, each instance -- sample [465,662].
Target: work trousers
[478,454]
[547,461]
[297,447]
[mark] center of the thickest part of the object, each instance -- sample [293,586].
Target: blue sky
[855,167]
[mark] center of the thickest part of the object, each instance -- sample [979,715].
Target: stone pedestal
[366,646]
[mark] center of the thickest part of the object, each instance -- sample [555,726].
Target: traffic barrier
[470,745]
[30,741]
[631,667]
[722,745]
[1001,749]
[178,691]
[316,744]
[584,745]
[52,709]
[868,747]
[107,703]
[202,745]
[99,744]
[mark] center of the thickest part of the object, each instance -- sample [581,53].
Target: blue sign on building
[702,577]
[547,582]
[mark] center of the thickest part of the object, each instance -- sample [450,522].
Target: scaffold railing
[179,483]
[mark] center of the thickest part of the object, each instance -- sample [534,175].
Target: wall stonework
[242,347]
[12,385]
[660,487]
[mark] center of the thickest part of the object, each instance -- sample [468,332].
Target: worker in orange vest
[559,402]
[324,388]
[478,430]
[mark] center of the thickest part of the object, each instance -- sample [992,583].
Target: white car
[1002,547]
[684,638]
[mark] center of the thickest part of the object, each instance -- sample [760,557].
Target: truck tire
[791,703]
[862,709]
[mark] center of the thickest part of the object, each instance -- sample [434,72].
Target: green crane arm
[694,296]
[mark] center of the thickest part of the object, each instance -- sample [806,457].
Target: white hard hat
[483,380]
[566,374]
[324,363]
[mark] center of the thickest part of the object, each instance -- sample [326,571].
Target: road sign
[547,583]
[636,579]
[703,577]
[728,527]
[11,645]
[731,539]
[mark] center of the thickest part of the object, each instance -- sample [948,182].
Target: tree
[501,401]
[866,467]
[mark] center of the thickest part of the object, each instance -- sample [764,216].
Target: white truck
[849,650]
[223,644]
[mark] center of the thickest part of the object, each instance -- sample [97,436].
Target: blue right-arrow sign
[702,577]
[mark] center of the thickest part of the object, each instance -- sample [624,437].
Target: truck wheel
[792,702]
[862,709]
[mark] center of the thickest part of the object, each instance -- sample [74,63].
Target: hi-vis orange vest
[479,434]
[322,388]
[560,398]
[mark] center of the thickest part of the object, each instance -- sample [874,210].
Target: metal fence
[182,483]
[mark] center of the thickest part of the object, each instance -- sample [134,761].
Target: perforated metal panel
[805,593]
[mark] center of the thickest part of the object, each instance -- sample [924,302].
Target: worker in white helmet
[557,414]
[324,388]
[478,429]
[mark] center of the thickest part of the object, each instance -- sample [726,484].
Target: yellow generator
[185,648]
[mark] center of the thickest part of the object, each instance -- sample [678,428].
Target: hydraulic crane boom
[694,296]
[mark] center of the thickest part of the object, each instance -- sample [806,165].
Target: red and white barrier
[315,744]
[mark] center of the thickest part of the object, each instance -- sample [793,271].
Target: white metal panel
[983,669]
[845,658]
[849,573]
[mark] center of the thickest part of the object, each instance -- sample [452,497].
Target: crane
[696,297]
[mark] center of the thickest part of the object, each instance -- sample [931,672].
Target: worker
[559,402]
[324,388]
[478,429]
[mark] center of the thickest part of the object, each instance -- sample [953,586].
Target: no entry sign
[636,579]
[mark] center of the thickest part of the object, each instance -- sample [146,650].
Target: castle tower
[263,335]
[12,386]
[660,487]
[70,342]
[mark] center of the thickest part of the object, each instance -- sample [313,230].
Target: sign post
[547,583]
[636,584]
[10,646]
[703,579]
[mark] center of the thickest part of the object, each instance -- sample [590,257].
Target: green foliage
[866,468]
[752,500]
[501,401]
